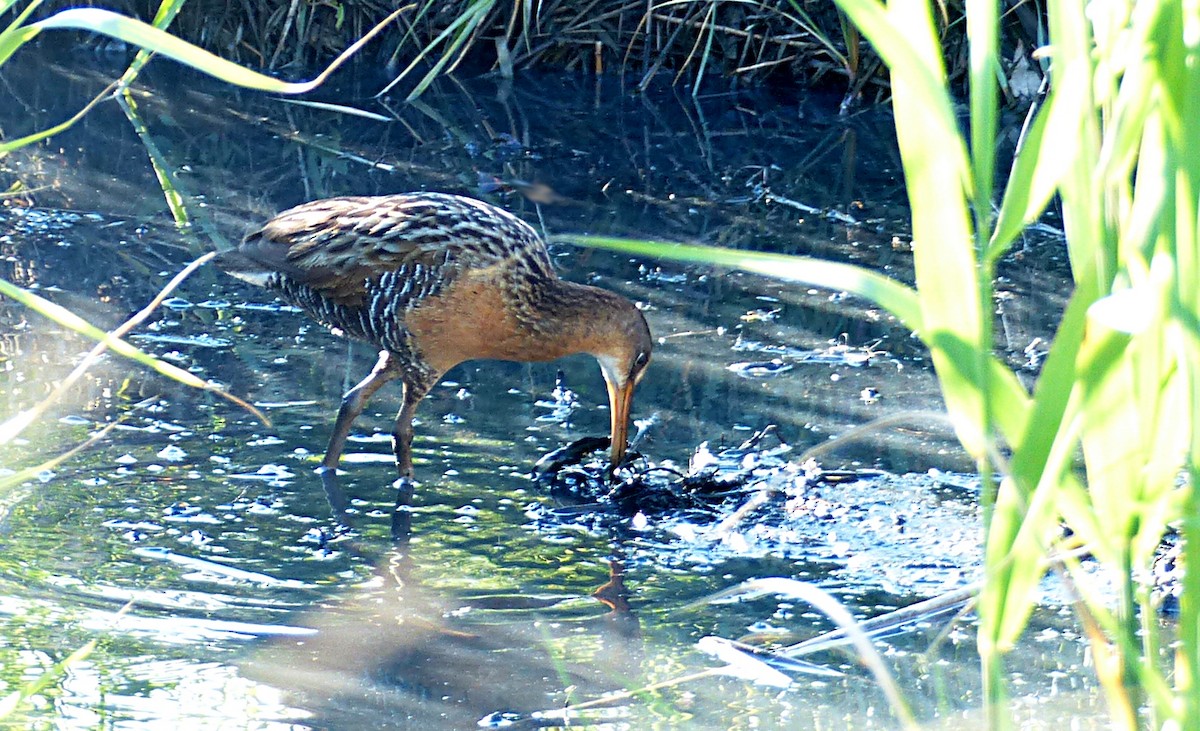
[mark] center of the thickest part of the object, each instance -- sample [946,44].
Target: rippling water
[196,545]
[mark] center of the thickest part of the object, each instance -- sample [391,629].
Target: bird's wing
[339,246]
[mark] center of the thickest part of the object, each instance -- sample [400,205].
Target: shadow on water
[216,530]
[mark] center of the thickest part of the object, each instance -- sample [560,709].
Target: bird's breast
[478,316]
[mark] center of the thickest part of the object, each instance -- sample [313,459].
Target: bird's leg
[402,432]
[402,512]
[402,437]
[353,404]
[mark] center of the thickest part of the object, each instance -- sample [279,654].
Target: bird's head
[623,350]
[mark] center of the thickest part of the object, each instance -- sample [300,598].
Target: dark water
[248,606]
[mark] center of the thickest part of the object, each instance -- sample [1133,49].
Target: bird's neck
[571,318]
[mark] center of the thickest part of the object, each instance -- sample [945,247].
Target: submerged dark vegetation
[805,43]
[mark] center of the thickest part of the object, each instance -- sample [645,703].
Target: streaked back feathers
[339,246]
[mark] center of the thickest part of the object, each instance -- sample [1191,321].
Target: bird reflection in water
[399,654]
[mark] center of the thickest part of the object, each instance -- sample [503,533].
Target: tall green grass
[1116,144]
[688,39]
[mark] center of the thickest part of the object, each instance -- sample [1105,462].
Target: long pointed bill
[620,399]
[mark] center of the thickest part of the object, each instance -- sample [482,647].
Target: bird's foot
[402,513]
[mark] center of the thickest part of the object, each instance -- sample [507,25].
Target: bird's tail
[236,263]
[256,259]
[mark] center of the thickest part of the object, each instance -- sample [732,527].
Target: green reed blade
[895,297]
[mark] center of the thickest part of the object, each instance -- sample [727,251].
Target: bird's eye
[641,361]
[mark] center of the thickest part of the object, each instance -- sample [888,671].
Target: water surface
[246,604]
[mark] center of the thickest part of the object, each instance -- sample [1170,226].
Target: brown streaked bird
[433,280]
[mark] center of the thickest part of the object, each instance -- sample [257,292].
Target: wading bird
[433,280]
